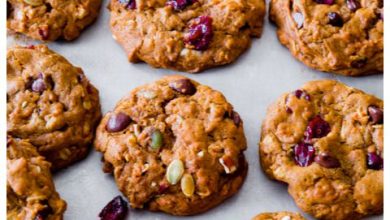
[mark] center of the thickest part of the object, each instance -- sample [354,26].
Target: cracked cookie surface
[30,189]
[49,20]
[174,146]
[338,36]
[279,216]
[325,141]
[186,35]
[51,103]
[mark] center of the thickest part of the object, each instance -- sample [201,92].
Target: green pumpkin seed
[187,185]
[175,171]
[157,140]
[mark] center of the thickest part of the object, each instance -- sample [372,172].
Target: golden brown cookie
[51,103]
[279,216]
[174,146]
[186,35]
[48,20]
[30,189]
[338,36]
[325,141]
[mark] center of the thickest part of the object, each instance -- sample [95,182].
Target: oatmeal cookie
[51,103]
[279,216]
[325,141]
[174,146]
[30,189]
[186,35]
[48,20]
[338,36]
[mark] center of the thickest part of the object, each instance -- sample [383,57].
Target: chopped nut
[187,185]
[87,105]
[81,13]
[137,130]
[34,2]
[132,139]
[153,184]
[200,153]
[146,94]
[228,164]
[145,168]
[175,171]
[286,218]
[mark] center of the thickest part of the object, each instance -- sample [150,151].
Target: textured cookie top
[187,35]
[340,36]
[50,102]
[175,146]
[48,20]
[279,216]
[30,189]
[326,141]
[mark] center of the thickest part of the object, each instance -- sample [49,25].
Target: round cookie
[279,216]
[338,36]
[30,189]
[174,146]
[325,141]
[49,20]
[51,103]
[186,35]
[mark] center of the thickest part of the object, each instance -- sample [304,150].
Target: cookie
[338,36]
[51,103]
[30,189]
[325,141]
[49,20]
[186,35]
[174,146]
[279,216]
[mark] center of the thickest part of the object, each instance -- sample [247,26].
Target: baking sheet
[254,81]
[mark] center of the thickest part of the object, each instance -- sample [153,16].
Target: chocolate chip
[335,19]
[359,63]
[327,2]
[116,209]
[9,9]
[353,5]
[118,122]
[184,86]
[299,19]
[376,114]
[236,118]
[327,161]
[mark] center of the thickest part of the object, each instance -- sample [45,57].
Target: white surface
[258,78]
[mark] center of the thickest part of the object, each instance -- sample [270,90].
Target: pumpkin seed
[187,185]
[175,171]
[157,140]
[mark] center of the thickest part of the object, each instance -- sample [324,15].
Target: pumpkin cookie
[338,36]
[48,20]
[30,189]
[51,103]
[325,141]
[186,35]
[174,146]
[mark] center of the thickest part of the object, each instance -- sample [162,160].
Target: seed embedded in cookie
[329,152]
[183,146]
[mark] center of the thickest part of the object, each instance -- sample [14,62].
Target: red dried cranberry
[360,63]
[317,128]
[301,93]
[179,5]
[376,114]
[327,2]
[162,188]
[45,212]
[353,5]
[200,33]
[327,161]
[118,122]
[44,33]
[236,118]
[335,19]
[39,84]
[129,4]
[116,209]
[374,161]
[304,154]
[289,110]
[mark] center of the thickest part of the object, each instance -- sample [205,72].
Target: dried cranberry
[44,213]
[327,161]
[118,122]
[374,161]
[200,33]
[327,2]
[178,5]
[129,4]
[289,110]
[353,5]
[317,128]
[116,209]
[359,63]
[301,93]
[236,118]
[39,85]
[184,86]
[376,114]
[335,19]
[44,33]
[162,188]
[304,154]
